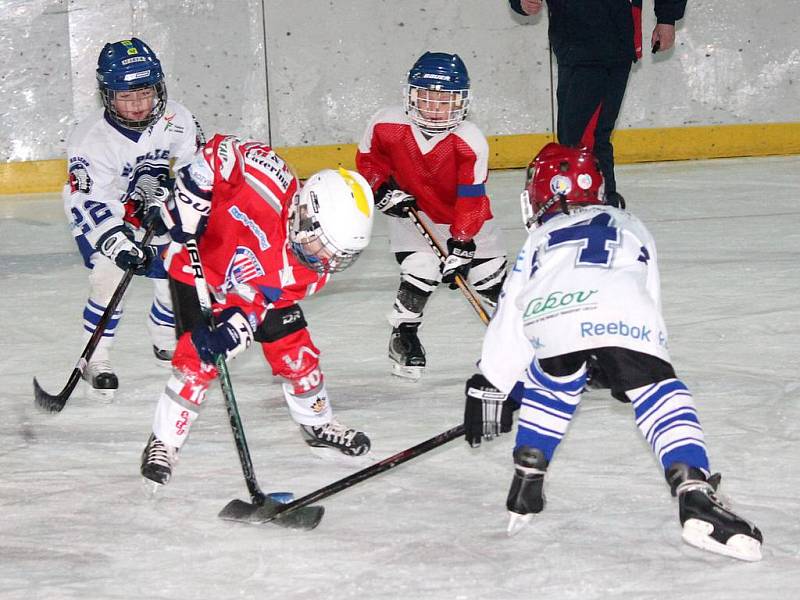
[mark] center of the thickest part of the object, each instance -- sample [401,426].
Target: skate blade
[150,488]
[307,517]
[697,533]
[99,395]
[334,455]
[517,522]
[411,373]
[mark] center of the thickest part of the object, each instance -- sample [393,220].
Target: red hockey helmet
[558,177]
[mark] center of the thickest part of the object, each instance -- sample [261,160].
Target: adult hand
[664,36]
[531,7]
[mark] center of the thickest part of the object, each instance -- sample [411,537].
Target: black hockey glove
[394,203]
[487,411]
[232,334]
[459,259]
[118,245]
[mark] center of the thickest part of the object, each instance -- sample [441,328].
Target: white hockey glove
[186,212]
[459,259]
[117,244]
[395,203]
[488,412]
[231,336]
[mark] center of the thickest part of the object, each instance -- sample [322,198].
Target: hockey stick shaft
[56,403]
[204,298]
[372,470]
[437,248]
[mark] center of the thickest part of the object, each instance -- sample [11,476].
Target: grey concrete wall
[312,72]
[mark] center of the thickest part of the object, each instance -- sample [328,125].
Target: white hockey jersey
[581,281]
[106,163]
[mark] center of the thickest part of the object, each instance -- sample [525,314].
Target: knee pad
[281,322]
[420,270]
[487,276]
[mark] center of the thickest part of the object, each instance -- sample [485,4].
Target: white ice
[75,525]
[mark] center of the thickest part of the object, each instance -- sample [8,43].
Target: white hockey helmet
[330,220]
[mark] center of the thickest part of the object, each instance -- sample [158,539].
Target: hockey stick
[368,472]
[465,288]
[56,403]
[262,505]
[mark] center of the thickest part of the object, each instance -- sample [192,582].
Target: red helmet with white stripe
[558,177]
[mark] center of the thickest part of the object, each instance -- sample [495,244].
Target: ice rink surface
[76,525]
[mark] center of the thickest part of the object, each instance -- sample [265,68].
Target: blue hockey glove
[459,259]
[232,334]
[487,411]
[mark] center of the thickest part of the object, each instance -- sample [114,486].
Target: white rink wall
[311,73]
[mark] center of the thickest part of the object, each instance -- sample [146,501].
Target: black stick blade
[307,517]
[48,402]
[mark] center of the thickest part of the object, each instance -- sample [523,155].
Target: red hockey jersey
[244,247]
[446,173]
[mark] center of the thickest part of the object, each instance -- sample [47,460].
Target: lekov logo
[556,301]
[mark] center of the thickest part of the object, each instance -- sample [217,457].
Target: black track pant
[581,89]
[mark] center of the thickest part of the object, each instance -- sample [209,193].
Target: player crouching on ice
[264,244]
[586,283]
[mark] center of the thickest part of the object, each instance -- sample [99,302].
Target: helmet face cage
[159,106]
[437,92]
[309,242]
[131,66]
[435,111]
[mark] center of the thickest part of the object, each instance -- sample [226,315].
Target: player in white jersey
[585,286]
[119,162]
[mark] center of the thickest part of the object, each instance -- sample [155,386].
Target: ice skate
[707,523]
[158,459]
[335,437]
[163,357]
[526,496]
[406,352]
[101,380]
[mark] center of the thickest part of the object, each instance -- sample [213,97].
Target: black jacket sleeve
[668,11]
[516,6]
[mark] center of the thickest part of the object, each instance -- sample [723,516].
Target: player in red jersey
[428,156]
[265,244]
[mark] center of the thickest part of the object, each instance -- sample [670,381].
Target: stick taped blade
[307,517]
[47,402]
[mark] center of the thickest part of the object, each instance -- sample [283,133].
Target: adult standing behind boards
[595,43]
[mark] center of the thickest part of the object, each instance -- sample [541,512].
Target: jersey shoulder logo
[264,160]
[79,179]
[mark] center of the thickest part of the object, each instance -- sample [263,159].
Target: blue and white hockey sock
[547,406]
[666,416]
[92,313]
[161,325]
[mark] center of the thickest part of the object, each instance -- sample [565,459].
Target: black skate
[526,496]
[157,461]
[406,352]
[163,357]
[103,383]
[707,523]
[335,436]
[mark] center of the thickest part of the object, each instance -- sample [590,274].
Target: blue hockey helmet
[437,92]
[129,66]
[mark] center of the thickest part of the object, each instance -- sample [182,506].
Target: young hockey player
[429,157]
[586,283]
[118,159]
[264,245]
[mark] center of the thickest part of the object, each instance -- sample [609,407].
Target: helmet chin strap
[537,217]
